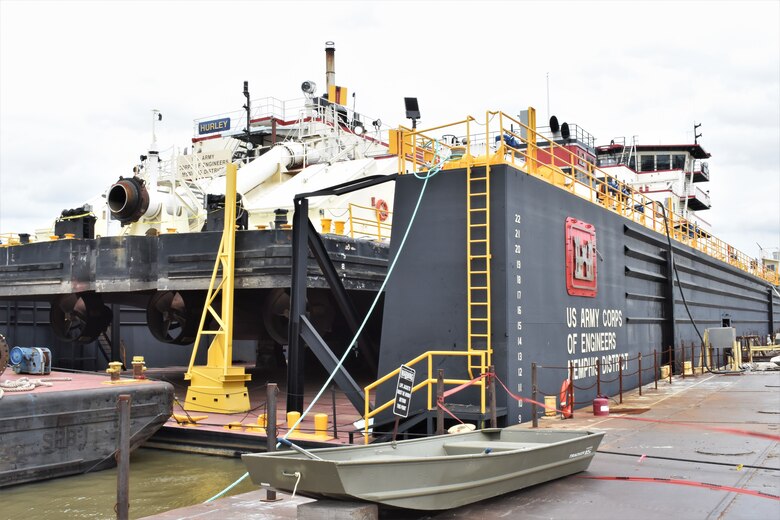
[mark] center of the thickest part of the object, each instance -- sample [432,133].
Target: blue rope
[436,168]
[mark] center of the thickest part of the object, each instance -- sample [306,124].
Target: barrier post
[533,396]
[682,362]
[571,388]
[693,358]
[492,390]
[598,376]
[640,374]
[620,379]
[271,390]
[440,403]
[333,402]
[670,365]
[655,368]
[123,459]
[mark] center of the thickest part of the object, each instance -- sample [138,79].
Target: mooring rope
[25,384]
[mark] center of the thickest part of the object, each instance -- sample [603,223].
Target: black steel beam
[296,350]
[329,361]
[349,186]
[343,300]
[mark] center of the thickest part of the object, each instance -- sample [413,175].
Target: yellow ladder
[478,265]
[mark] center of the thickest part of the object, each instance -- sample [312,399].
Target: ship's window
[632,163]
[662,162]
[647,162]
[678,162]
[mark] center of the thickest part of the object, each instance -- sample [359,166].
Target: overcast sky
[78,81]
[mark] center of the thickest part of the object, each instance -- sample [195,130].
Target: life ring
[565,404]
[382,209]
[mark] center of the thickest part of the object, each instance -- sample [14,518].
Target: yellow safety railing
[428,383]
[369,221]
[553,163]
[9,239]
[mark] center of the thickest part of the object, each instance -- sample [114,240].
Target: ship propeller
[79,318]
[172,317]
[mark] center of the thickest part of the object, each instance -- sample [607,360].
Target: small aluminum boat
[432,473]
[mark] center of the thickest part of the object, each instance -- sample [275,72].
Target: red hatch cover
[581,264]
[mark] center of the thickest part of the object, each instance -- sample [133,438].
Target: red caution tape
[464,385]
[681,482]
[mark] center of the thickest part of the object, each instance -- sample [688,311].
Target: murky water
[159,481]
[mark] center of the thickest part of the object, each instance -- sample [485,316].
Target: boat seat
[477,447]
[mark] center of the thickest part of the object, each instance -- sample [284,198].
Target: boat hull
[433,473]
[50,433]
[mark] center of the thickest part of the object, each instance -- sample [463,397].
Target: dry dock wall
[534,318]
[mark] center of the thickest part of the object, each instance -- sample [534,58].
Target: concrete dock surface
[687,470]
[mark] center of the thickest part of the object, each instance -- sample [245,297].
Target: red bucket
[601,405]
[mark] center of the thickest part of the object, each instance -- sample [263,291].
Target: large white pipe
[280,158]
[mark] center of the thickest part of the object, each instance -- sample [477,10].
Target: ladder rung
[478,194]
[478,209]
[478,319]
[478,240]
[478,336]
[477,225]
[479,288]
[477,179]
[478,272]
[477,257]
[479,303]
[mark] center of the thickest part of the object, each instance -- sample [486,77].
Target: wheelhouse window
[663,162]
[678,162]
[647,163]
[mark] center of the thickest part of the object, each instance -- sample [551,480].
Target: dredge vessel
[525,244]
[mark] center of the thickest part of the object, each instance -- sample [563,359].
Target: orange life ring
[382,209]
[565,404]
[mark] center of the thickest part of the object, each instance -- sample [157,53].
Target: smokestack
[330,66]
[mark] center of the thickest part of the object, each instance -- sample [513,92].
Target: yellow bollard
[325,222]
[292,418]
[114,368]
[69,236]
[139,367]
[549,405]
[262,420]
[321,424]
[340,227]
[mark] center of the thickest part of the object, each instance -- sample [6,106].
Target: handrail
[428,382]
[383,227]
[583,179]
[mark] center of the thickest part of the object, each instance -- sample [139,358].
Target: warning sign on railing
[403,391]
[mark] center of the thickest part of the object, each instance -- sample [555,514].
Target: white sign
[206,164]
[403,391]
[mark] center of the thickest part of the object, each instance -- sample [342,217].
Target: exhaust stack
[330,65]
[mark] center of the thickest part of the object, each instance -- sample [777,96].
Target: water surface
[159,481]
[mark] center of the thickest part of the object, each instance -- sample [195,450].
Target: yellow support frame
[218,386]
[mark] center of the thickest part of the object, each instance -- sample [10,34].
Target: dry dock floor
[748,402]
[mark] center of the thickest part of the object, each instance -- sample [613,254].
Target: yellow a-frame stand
[218,386]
